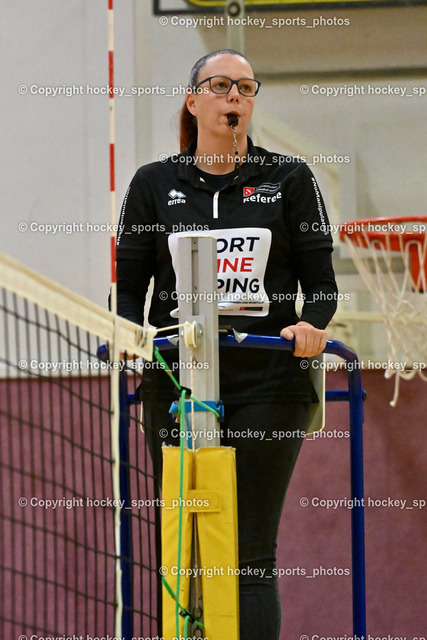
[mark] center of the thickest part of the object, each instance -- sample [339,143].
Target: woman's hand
[309,341]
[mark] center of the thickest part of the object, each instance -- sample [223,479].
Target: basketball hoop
[391,256]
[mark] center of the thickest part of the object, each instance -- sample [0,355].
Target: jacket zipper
[215,204]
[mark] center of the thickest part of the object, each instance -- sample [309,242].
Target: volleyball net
[79,521]
[77,527]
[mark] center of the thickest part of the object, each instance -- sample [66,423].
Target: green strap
[167,370]
[166,367]
[182,417]
[188,615]
[181,491]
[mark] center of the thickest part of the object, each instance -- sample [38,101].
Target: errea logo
[176,197]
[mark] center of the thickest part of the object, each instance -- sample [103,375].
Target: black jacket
[272,230]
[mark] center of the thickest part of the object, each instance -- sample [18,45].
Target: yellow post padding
[170,514]
[210,493]
[218,543]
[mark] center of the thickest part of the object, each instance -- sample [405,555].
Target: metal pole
[357,493]
[121,491]
[126,552]
[355,394]
[198,344]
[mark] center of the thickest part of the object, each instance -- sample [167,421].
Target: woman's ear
[191,103]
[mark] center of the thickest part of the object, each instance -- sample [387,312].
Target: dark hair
[188,123]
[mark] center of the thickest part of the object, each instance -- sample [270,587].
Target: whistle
[232,120]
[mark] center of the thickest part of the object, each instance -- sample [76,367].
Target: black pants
[264,466]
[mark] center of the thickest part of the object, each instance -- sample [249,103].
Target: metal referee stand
[198,342]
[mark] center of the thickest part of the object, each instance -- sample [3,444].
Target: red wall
[395,457]
[314,537]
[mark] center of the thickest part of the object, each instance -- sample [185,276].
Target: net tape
[75,308]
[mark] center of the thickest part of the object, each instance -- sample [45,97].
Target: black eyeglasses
[222,85]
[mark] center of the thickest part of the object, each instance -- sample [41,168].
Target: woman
[265,210]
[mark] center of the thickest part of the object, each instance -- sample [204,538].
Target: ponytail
[187,128]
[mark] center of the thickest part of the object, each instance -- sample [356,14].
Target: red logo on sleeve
[248,191]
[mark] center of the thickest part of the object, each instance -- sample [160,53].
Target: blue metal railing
[354,395]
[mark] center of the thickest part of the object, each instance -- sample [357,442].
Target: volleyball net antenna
[62,467]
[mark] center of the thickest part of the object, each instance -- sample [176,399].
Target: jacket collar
[187,170]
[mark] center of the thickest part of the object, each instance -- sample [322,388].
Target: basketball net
[390,255]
